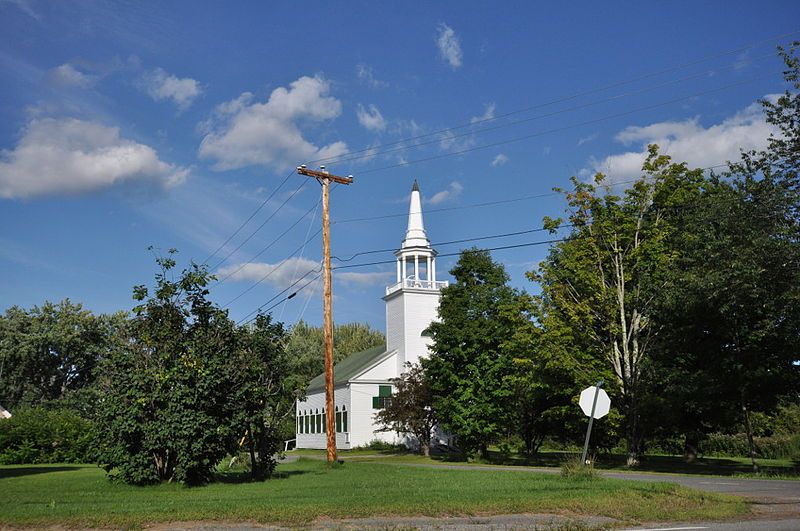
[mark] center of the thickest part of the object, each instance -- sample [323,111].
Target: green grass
[668,464]
[80,495]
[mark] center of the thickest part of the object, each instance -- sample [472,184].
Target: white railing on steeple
[410,283]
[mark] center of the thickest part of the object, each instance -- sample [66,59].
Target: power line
[374,152]
[565,128]
[274,213]
[245,222]
[293,284]
[571,97]
[489,203]
[273,242]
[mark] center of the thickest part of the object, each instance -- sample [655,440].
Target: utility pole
[324,178]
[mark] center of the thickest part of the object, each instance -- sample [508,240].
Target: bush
[573,468]
[380,446]
[775,447]
[40,435]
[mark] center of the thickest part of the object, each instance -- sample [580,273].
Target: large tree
[263,392]
[50,352]
[603,280]
[732,319]
[164,411]
[469,369]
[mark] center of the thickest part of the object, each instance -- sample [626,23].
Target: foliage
[165,388]
[39,435]
[262,393]
[469,369]
[304,345]
[732,319]
[411,408]
[602,281]
[50,353]
[737,445]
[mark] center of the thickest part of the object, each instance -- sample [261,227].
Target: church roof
[349,367]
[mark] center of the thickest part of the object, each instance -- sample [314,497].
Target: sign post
[595,404]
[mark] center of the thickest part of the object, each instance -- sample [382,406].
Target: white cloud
[488,114]
[70,156]
[587,139]
[244,132]
[283,274]
[499,159]
[452,191]
[688,141]
[449,46]
[67,75]
[160,85]
[370,118]
[365,74]
[279,275]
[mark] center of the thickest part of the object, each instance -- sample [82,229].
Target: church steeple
[415,234]
[412,301]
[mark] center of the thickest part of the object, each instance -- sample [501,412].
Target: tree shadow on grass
[243,476]
[30,470]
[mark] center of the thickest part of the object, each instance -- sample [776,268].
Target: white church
[362,381]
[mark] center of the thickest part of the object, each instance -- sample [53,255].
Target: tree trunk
[254,472]
[633,436]
[425,448]
[690,444]
[751,443]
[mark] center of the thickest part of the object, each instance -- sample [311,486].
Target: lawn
[80,495]
[670,464]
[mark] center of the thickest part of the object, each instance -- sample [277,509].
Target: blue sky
[130,124]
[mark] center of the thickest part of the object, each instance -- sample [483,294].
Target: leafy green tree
[263,392]
[469,369]
[602,281]
[411,408]
[732,319]
[50,352]
[164,389]
[304,345]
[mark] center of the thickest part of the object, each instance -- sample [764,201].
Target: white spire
[415,234]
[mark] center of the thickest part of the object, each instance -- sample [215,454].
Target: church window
[344,419]
[324,424]
[384,397]
[319,423]
[338,420]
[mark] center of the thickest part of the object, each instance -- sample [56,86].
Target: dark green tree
[411,408]
[469,369]
[50,352]
[165,389]
[263,392]
[732,320]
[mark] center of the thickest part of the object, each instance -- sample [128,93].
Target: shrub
[775,447]
[40,435]
[573,468]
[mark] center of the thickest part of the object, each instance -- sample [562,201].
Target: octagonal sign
[602,406]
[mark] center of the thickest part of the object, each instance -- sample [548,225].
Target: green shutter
[338,422]
[344,421]
[385,391]
[376,402]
